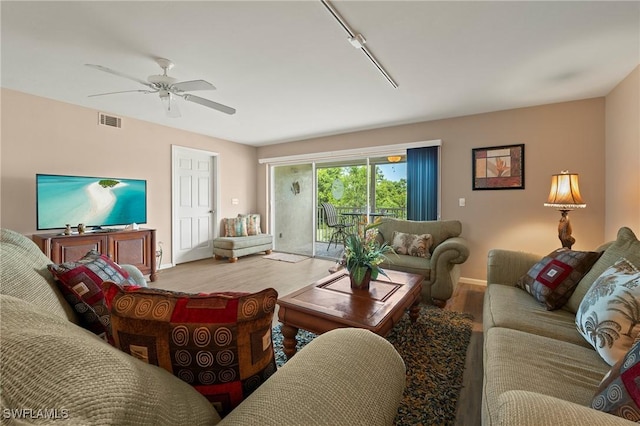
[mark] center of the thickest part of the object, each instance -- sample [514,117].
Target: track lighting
[357,40]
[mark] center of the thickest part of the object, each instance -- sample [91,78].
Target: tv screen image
[94,201]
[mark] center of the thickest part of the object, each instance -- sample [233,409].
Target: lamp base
[564,230]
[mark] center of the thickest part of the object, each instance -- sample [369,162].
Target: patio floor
[323,251]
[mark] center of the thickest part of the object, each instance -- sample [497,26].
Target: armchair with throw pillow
[433,249]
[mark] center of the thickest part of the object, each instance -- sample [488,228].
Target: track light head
[357,41]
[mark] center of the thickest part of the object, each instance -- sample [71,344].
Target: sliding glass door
[341,186]
[389,186]
[360,191]
[356,187]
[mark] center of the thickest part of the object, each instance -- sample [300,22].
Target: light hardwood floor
[253,273]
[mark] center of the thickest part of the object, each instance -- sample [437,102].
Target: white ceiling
[290,72]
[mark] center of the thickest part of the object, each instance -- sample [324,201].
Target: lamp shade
[565,192]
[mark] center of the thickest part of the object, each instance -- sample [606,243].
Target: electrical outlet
[462,202]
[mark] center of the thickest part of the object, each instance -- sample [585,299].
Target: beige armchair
[441,271]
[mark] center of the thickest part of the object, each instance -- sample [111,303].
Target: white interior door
[194,204]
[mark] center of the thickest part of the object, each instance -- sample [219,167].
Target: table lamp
[565,196]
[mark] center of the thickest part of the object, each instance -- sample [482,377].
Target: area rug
[285,257]
[434,351]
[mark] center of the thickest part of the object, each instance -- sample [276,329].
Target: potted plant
[363,255]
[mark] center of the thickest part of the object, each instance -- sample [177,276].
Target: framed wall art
[498,167]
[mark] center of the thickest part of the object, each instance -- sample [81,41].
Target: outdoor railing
[323,232]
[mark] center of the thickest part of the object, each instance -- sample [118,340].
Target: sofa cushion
[81,283]
[509,307]
[235,226]
[626,245]
[610,311]
[524,408]
[234,243]
[220,343]
[515,360]
[405,263]
[619,391]
[412,244]
[24,274]
[50,363]
[552,280]
[323,384]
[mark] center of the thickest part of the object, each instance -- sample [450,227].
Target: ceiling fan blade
[146,92]
[119,74]
[209,104]
[170,105]
[188,86]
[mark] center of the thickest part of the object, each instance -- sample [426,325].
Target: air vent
[109,120]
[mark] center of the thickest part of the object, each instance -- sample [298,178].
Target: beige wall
[45,136]
[622,156]
[557,137]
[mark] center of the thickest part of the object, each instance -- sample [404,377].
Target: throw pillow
[610,311]
[619,391]
[235,227]
[219,343]
[253,223]
[626,245]
[552,280]
[81,284]
[412,244]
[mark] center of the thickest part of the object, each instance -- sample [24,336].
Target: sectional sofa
[53,368]
[538,370]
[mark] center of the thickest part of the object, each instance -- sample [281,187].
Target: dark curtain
[422,183]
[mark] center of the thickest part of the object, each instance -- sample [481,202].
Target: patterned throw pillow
[219,343]
[610,311]
[552,280]
[253,223]
[235,226]
[619,391]
[81,284]
[626,245]
[412,244]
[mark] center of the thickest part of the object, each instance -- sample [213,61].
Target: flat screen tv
[94,201]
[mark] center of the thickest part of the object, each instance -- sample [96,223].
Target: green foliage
[325,182]
[363,252]
[108,183]
[391,194]
[388,194]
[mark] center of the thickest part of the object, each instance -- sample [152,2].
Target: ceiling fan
[168,89]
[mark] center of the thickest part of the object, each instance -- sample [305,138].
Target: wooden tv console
[126,247]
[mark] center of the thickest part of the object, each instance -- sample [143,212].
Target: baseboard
[166,266]
[473,281]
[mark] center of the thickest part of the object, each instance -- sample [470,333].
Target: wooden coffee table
[331,303]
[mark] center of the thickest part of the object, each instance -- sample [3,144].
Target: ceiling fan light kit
[168,88]
[170,105]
